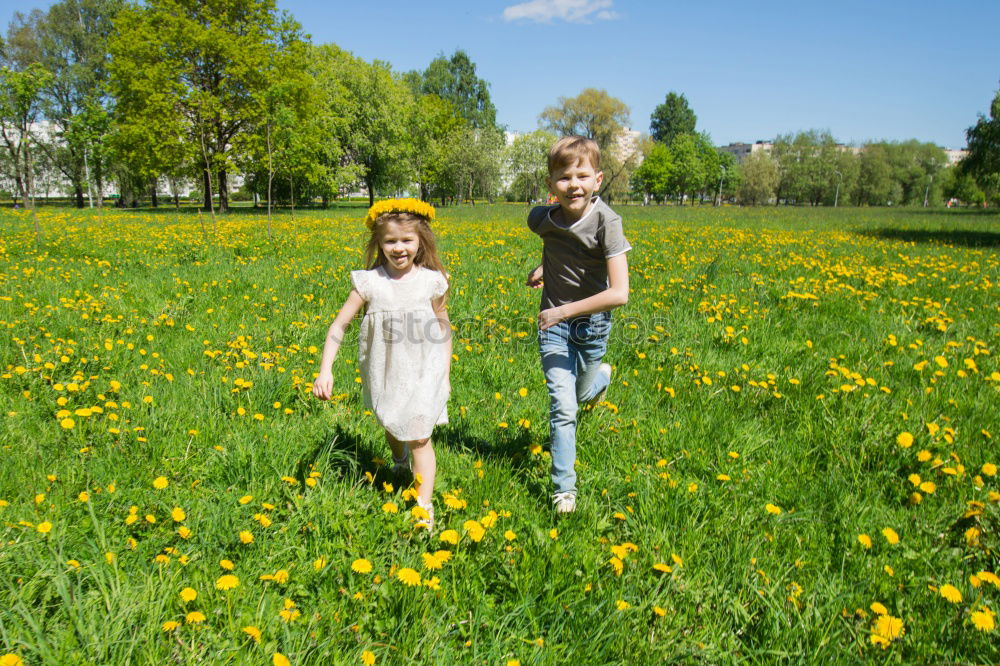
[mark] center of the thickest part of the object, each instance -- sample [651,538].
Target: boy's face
[574,187]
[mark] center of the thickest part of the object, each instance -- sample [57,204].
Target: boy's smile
[574,187]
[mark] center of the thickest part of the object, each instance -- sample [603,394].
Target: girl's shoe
[401,467]
[428,522]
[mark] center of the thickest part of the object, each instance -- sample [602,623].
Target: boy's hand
[534,278]
[323,386]
[549,318]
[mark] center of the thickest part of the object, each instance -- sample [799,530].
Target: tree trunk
[78,193]
[291,191]
[207,188]
[152,191]
[223,184]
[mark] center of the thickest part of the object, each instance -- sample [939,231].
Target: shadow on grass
[349,455]
[962,237]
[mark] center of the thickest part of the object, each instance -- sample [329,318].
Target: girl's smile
[400,245]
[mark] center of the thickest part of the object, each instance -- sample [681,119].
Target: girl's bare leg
[424,465]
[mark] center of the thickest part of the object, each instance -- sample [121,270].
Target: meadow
[796,460]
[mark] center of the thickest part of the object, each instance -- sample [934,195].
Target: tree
[760,178]
[454,79]
[593,113]
[671,118]
[875,182]
[20,94]
[652,178]
[526,165]
[375,107]
[688,174]
[596,115]
[434,126]
[20,105]
[983,160]
[73,42]
[187,76]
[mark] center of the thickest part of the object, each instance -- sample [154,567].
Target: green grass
[767,357]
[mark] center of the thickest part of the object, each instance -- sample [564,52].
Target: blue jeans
[571,356]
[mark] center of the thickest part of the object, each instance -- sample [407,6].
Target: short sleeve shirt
[574,257]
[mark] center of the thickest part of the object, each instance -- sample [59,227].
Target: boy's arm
[323,386]
[615,295]
[534,277]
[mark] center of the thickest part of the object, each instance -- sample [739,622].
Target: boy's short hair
[569,150]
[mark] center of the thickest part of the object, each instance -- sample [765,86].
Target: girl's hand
[323,386]
[534,278]
[551,317]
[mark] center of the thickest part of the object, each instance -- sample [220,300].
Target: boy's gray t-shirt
[574,257]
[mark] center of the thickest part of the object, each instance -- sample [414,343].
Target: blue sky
[751,70]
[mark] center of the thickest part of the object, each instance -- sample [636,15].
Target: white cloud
[574,11]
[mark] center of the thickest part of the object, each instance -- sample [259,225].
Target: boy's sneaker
[605,370]
[564,502]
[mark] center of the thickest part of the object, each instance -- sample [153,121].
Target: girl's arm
[616,294]
[323,386]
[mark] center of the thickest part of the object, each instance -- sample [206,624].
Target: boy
[585,276]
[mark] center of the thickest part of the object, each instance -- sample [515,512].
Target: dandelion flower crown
[414,206]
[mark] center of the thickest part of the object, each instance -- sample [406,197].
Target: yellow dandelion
[390,507]
[361,566]
[904,439]
[170,625]
[246,537]
[160,482]
[449,536]
[189,594]
[408,576]
[227,581]
[44,527]
[194,617]
[431,562]
[177,514]
[253,632]
[622,605]
[890,536]
[865,541]
[367,658]
[951,593]
[984,619]
[772,509]
[278,659]
[879,609]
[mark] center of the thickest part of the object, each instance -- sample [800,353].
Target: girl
[404,349]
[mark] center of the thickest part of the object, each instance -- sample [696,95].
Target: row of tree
[156,97]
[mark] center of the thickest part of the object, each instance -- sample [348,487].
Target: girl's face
[399,245]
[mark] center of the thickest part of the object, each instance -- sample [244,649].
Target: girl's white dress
[402,351]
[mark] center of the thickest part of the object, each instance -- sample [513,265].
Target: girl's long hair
[427,255]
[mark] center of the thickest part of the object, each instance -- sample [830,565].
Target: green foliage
[653,177]
[593,114]
[671,118]
[455,80]
[761,176]
[374,108]
[188,77]
[526,165]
